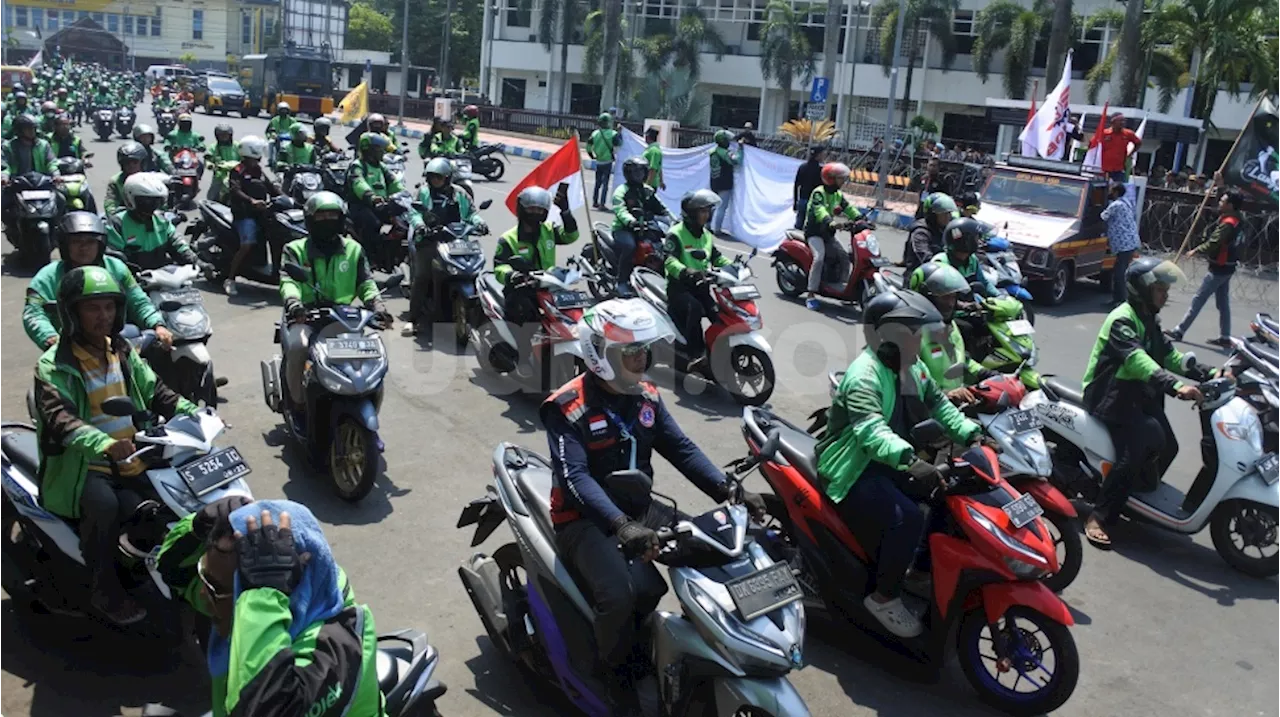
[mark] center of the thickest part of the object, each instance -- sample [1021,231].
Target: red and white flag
[1093,158]
[1029,149]
[564,166]
[1142,129]
[1046,134]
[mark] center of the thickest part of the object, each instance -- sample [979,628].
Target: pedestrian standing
[1115,148]
[808,177]
[653,155]
[1122,235]
[1219,248]
[722,165]
[600,147]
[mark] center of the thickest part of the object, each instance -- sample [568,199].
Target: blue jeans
[722,211]
[248,229]
[604,175]
[1219,286]
[887,523]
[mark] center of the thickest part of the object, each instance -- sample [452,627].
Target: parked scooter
[600,258]
[450,290]
[342,379]
[739,632]
[187,169]
[1235,492]
[124,119]
[186,368]
[73,186]
[1013,640]
[104,123]
[485,162]
[998,334]
[216,240]
[793,258]
[39,206]
[740,358]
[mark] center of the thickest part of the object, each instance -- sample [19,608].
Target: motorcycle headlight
[1028,565]
[183,497]
[719,614]
[1249,430]
[872,244]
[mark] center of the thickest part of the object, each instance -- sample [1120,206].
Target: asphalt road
[1163,625]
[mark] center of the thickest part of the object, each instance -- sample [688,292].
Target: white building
[518,72]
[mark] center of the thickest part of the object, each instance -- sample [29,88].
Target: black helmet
[1142,276]
[221,129]
[23,121]
[699,199]
[81,223]
[895,324]
[963,235]
[635,170]
[131,150]
[87,282]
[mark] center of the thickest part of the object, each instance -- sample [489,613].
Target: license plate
[352,349]
[1023,510]
[184,172]
[879,261]
[744,293]
[765,591]
[214,471]
[1269,468]
[571,299]
[1021,327]
[36,195]
[461,248]
[1023,421]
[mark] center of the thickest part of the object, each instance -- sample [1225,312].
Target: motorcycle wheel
[461,322]
[1255,527]
[792,280]
[1070,550]
[496,170]
[353,460]
[749,369]
[1032,638]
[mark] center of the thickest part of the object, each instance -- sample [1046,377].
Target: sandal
[1095,534]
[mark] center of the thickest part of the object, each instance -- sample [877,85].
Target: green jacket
[68,442]
[367,180]
[1131,364]
[222,159]
[443,143]
[628,202]
[108,100]
[653,155]
[278,125]
[680,242]
[291,154]
[71,146]
[825,204]
[342,277]
[471,132]
[159,161]
[971,270]
[514,253]
[113,202]
[722,163]
[948,357]
[441,205]
[858,430]
[178,139]
[601,143]
[41,324]
[151,244]
[42,159]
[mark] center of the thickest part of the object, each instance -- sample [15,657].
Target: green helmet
[87,282]
[937,279]
[937,203]
[723,137]
[370,140]
[323,202]
[605,120]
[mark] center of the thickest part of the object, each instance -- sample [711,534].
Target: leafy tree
[1226,43]
[670,94]
[427,21]
[593,54]
[784,49]
[684,48]
[935,15]
[1167,66]
[368,29]
[1006,25]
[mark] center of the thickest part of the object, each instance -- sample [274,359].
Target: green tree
[1006,25]
[784,49]
[672,94]
[593,54]
[1165,65]
[934,15]
[1226,43]
[426,20]
[187,58]
[684,49]
[1126,61]
[368,29]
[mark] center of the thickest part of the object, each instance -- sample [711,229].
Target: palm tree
[684,48]
[593,54]
[1006,25]
[1167,67]
[784,48]
[935,14]
[567,12]
[1226,43]
[831,37]
[1127,63]
[1063,35]
[612,24]
[672,94]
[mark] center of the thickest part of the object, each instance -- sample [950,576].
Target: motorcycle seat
[1264,350]
[655,283]
[534,483]
[800,449]
[796,235]
[22,448]
[1066,389]
[221,213]
[392,661]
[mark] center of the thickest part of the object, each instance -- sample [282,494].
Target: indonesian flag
[1142,130]
[1046,134]
[1028,149]
[563,166]
[1093,158]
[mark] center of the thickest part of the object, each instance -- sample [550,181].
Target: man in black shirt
[808,177]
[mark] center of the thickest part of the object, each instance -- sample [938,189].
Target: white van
[168,72]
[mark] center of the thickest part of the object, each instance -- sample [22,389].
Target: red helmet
[999,392]
[470,111]
[835,173]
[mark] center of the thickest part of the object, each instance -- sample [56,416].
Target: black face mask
[325,233]
[184,126]
[145,206]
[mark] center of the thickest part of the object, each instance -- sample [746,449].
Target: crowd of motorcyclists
[252,567]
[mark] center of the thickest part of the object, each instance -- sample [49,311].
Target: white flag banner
[1141,132]
[1046,134]
[36,60]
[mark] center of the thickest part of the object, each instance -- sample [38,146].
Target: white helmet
[146,185]
[253,147]
[611,327]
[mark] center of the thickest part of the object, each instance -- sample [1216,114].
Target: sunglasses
[633,351]
[209,586]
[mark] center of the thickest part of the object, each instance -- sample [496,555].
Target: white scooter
[1235,493]
[189,369]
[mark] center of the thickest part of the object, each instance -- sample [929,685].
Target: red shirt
[1115,148]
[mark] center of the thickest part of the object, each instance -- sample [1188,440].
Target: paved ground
[1163,625]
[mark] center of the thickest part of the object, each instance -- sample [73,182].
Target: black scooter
[215,239]
[449,292]
[485,162]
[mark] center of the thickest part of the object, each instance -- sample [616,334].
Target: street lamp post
[888,120]
[404,62]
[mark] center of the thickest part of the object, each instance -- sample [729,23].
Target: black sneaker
[1220,342]
[1173,335]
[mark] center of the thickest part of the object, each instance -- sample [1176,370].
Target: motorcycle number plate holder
[215,470]
[352,349]
[464,247]
[880,261]
[1269,468]
[1023,421]
[745,292]
[571,299]
[764,591]
[1023,510]
[1021,327]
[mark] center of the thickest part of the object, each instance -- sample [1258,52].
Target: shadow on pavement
[75,667]
[498,685]
[522,402]
[313,488]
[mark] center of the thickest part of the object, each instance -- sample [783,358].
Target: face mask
[326,231]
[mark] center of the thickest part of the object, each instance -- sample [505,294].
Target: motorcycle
[166,120]
[457,263]
[187,368]
[1266,329]
[342,379]
[187,169]
[554,354]
[600,258]
[791,262]
[739,632]
[740,357]
[185,470]
[215,239]
[390,248]
[305,181]
[998,334]
[73,186]
[393,164]
[1001,268]
[484,161]
[104,123]
[1234,494]
[124,122]
[333,170]
[987,555]
[39,206]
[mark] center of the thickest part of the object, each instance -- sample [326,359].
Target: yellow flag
[355,105]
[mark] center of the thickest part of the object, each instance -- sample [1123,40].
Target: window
[246,29]
[155,23]
[37,16]
[141,24]
[128,24]
[52,20]
[268,26]
[520,14]
[513,92]
[113,23]
[68,18]
[734,110]
[584,99]
[99,18]
[19,16]
[197,24]
[962,28]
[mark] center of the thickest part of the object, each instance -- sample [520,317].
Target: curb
[894,219]
[536,155]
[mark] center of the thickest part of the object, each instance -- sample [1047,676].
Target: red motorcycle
[854,276]
[988,553]
[187,168]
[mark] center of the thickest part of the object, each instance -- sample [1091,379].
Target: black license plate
[1023,421]
[571,299]
[765,591]
[462,248]
[214,471]
[1023,510]
[1269,468]
[351,349]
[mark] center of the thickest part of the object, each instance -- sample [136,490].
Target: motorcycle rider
[471,128]
[64,142]
[298,152]
[924,236]
[323,142]
[825,204]
[868,466]
[64,102]
[612,419]
[443,204]
[250,190]
[377,124]
[601,146]
[48,115]
[370,186]
[103,99]
[1132,367]
[689,296]
[339,273]
[156,160]
[183,137]
[81,447]
[223,155]
[944,355]
[282,123]
[142,233]
[26,152]
[632,203]
[961,238]
[130,156]
[443,140]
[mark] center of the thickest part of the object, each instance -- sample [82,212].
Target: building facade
[315,23]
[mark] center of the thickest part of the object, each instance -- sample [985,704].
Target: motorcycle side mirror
[926,432]
[118,406]
[88,155]
[170,305]
[295,272]
[698,254]
[486,204]
[977,288]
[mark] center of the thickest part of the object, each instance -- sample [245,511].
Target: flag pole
[1205,199]
[586,203]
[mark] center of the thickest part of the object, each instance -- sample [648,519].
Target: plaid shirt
[1122,227]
